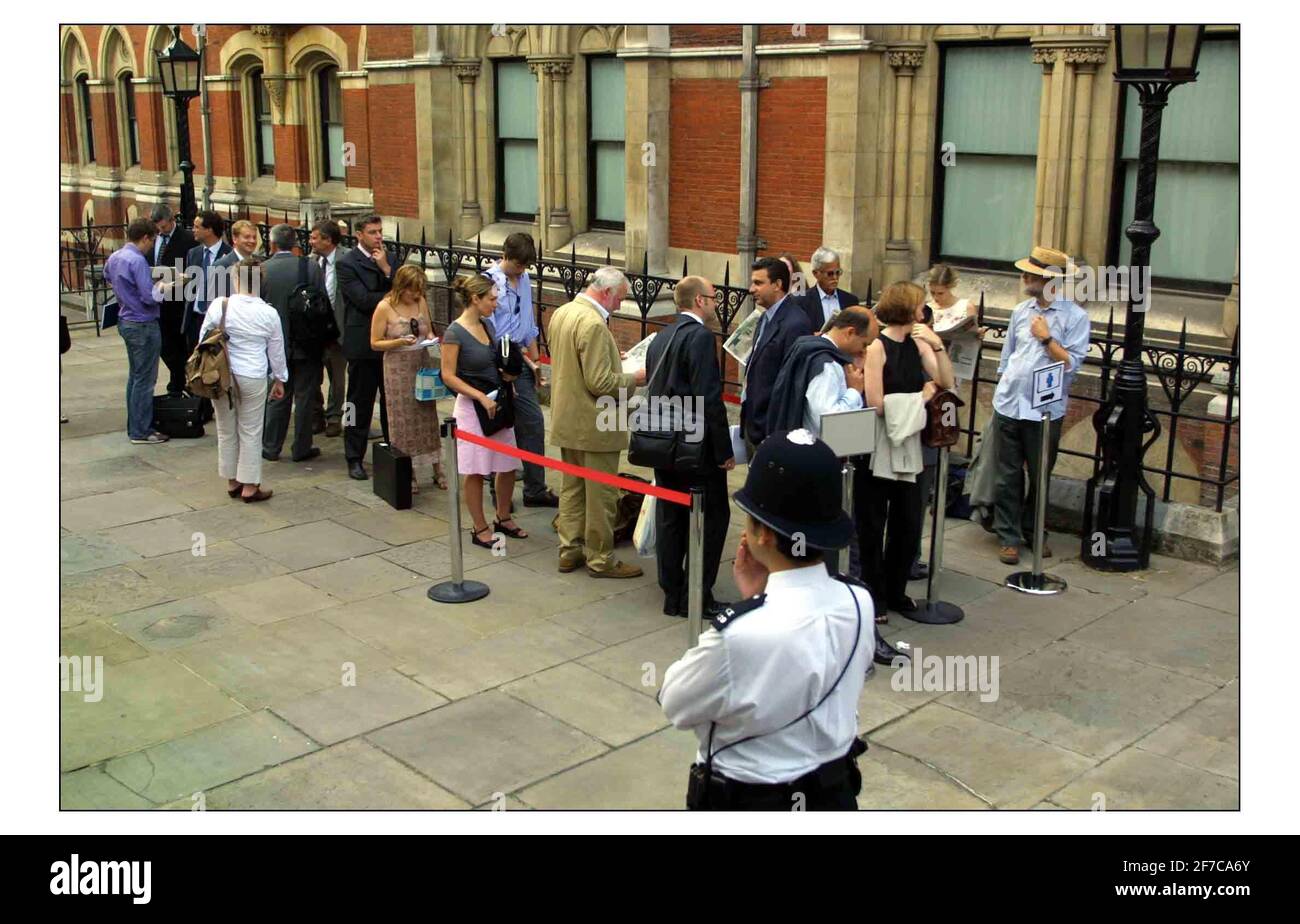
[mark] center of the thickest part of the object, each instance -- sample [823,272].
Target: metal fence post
[1035,582]
[695,568]
[457,590]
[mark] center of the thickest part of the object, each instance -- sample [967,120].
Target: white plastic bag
[644,535]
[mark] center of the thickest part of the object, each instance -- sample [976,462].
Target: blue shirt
[127,271]
[514,315]
[1023,353]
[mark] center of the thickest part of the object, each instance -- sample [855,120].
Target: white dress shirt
[830,304]
[770,666]
[256,338]
[604,315]
[331,283]
[828,391]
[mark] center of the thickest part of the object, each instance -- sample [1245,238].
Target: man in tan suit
[586,366]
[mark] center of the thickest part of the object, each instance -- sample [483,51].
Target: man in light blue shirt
[514,318]
[1045,329]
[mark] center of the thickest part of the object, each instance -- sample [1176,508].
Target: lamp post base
[458,591]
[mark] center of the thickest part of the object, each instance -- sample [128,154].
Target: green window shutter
[608,100]
[607,158]
[516,101]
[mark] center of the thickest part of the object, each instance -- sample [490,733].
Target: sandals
[473,536]
[514,532]
[234,492]
[259,496]
[439,478]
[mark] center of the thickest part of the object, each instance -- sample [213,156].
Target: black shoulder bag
[659,427]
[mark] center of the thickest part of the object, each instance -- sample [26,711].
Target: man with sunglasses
[826,297]
[514,318]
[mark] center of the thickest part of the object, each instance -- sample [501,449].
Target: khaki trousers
[588,510]
[239,431]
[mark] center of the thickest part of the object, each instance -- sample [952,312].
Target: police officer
[772,691]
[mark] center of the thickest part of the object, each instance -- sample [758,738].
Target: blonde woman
[400,321]
[469,368]
[946,307]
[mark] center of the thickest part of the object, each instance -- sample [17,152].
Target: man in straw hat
[1046,328]
[772,692]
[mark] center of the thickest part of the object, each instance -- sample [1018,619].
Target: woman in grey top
[469,369]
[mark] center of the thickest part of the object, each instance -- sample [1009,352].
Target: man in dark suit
[326,252]
[170,249]
[280,276]
[682,366]
[782,324]
[364,277]
[826,297]
[202,280]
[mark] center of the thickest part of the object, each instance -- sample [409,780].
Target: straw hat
[1044,261]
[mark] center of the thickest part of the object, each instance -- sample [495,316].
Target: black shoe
[357,470]
[308,455]
[903,606]
[548,499]
[886,653]
[318,427]
[920,571]
[269,457]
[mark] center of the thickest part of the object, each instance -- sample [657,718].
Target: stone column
[648,91]
[1046,58]
[904,59]
[561,227]
[543,155]
[471,214]
[1084,59]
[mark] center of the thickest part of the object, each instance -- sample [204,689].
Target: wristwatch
[1048,342]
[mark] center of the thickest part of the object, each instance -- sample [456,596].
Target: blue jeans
[143,341]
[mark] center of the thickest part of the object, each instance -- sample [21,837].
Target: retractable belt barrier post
[457,590]
[936,611]
[840,558]
[1035,582]
[693,500]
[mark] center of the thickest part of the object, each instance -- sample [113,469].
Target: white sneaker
[154,437]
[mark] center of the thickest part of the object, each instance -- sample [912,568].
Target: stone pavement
[298,663]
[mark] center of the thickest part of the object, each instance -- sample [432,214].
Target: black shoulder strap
[650,381]
[736,610]
[302,272]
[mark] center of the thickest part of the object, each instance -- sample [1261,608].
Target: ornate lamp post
[181,69]
[1154,59]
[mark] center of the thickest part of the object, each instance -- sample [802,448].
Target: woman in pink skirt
[469,369]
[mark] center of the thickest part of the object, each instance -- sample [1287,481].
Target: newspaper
[634,360]
[963,353]
[432,342]
[950,321]
[741,342]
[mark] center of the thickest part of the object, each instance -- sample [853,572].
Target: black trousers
[887,537]
[174,353]
[365,379]
[672,524]
[304,382]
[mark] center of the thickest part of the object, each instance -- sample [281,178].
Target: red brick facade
[703,182]
[393,170]
[791,164]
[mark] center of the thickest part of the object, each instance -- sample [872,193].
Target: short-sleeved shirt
[476,362]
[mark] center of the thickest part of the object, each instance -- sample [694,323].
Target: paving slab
[615,619]
[396,527]
[428,557]
[92,788]
[1167,577]
[1138,779]
[403,627]
[891,780]
[603,708]
[309,545]
[1003,767]
[358,578]
[105,592]
[145,701]
[486,744]
[178,623]
[647,774]
[1082,699]
[96,638]
[1193,640]
[120,473]
[497,659]
[1205,736]
[310,504]
[152,537]
[1045,617]
[272,599]
[209,757]
[1222,592]
[223,565]
[281,662]
[232,520]
[352,775]
[640,662]
[378,698]
[116,508]
[879,704]
[81,553]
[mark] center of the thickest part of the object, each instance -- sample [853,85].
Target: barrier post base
[1042,585]
[458,591]
[937,613]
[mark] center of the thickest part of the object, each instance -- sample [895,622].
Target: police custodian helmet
[793,486]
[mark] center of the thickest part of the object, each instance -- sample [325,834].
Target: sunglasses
[415,327]
[834,274]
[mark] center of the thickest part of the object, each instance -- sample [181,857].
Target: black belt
[716,791]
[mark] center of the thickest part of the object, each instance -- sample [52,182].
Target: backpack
[311,317]
[207,372]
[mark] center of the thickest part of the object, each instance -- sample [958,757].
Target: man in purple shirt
[138,301]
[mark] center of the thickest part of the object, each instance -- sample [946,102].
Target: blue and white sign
[1049,384]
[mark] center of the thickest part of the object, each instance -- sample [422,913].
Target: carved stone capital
[466,71]
[1045,56]
[906,60]
[1085,54]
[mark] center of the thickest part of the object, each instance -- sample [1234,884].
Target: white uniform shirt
[769,667]
[256,338]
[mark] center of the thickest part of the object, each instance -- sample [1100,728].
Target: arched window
[126,92]
[263,136]
[87,123]
[330,96]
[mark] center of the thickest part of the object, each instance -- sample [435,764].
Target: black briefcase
[178,416]
[391,476]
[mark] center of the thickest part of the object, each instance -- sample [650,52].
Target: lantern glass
[1162,53]
[1187,40]
[178,69]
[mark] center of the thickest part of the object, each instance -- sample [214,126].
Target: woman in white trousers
[255,349]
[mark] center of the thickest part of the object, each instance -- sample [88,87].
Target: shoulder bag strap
[667,346]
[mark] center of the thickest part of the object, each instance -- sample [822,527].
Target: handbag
[505,415]
[429,385]
[942,429]
[658,428]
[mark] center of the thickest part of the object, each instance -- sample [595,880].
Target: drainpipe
[748,243]
[205,120]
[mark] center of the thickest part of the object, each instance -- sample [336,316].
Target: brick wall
[227,126]
[392,157]
[356,129]
[388,43]
[693,36]
[791,164]
[704,177]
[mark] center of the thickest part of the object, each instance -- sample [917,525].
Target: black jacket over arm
[812,305]
[691,371]
[765,363]
[362,286]
[807,359]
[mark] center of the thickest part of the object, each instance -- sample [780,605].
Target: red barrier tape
[673,497]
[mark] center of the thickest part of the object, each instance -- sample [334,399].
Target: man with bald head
[682,370]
